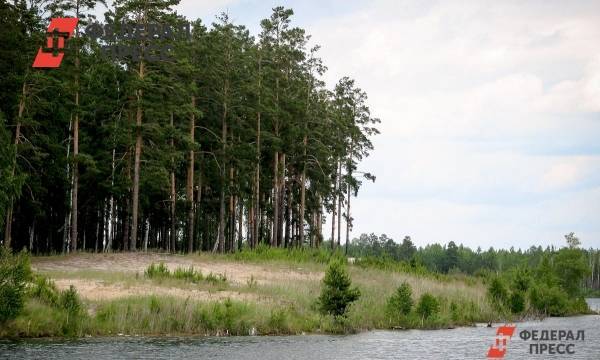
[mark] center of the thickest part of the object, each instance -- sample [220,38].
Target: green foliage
[521,280]
[516,302]
[188,274]
[497,291]
[45,290]
[550,301]
[300,255]
[15,272]
[571,269]
[70,302]
[216,279]
[428,306]
[10,183]
[337,293]
[159,271]
[401,302]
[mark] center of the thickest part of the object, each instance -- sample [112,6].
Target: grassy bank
[273,292]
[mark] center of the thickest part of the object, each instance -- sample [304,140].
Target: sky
[490,111]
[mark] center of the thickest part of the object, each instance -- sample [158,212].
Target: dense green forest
[231,142]
[458,259]
[234,139]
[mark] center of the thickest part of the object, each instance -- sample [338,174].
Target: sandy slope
[64,269]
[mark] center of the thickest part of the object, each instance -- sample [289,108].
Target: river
[461,343]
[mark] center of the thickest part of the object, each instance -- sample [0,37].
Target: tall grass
[188,274]
[263,253]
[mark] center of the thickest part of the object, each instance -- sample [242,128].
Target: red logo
[503,335]
[59,30]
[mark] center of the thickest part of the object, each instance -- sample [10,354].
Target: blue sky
[490,112]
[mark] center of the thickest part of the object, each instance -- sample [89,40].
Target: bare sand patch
[96,287]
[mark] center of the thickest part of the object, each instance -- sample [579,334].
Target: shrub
[70,303]
[428,306]
[516,303]
[571,268]
[45,290]
[400,303]
[15,272]
[157,271]
[549,300]
[337,293]
[188,274]
[521,280]
[497,291]
[216,279]
[579,306]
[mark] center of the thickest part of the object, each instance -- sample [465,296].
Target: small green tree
[428,306]
[516,302]
[401,302]
[70,302]
[571,270]
[550,301]
[337,293]
[497,291]
[15,271]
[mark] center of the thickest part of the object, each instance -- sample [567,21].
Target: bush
[188,274]
[516,303]
[157,271]
[401,302]
[69,301]
[216,279]
[497,291]
[337,294]
[428,306]
[521,280]
[550,301]
[45,290]
[15,272]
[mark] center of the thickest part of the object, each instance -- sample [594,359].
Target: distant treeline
[452,258]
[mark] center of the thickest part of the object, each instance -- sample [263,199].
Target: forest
[456,259]
[231,140]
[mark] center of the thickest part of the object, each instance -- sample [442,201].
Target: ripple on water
[461,343]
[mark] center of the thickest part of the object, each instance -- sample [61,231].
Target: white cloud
[477,100]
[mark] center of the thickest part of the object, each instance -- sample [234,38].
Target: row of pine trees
[236,141]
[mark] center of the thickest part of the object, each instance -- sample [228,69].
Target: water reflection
[462,343]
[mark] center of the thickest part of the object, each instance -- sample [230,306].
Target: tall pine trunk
[173,197]
[303,191]
[348,214]
[190,181]
[221,236]
[9,212]
[334,211]
[75,184]
[340,200]
[136,165]
[256,211]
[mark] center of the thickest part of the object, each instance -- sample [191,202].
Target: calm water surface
[461,343]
